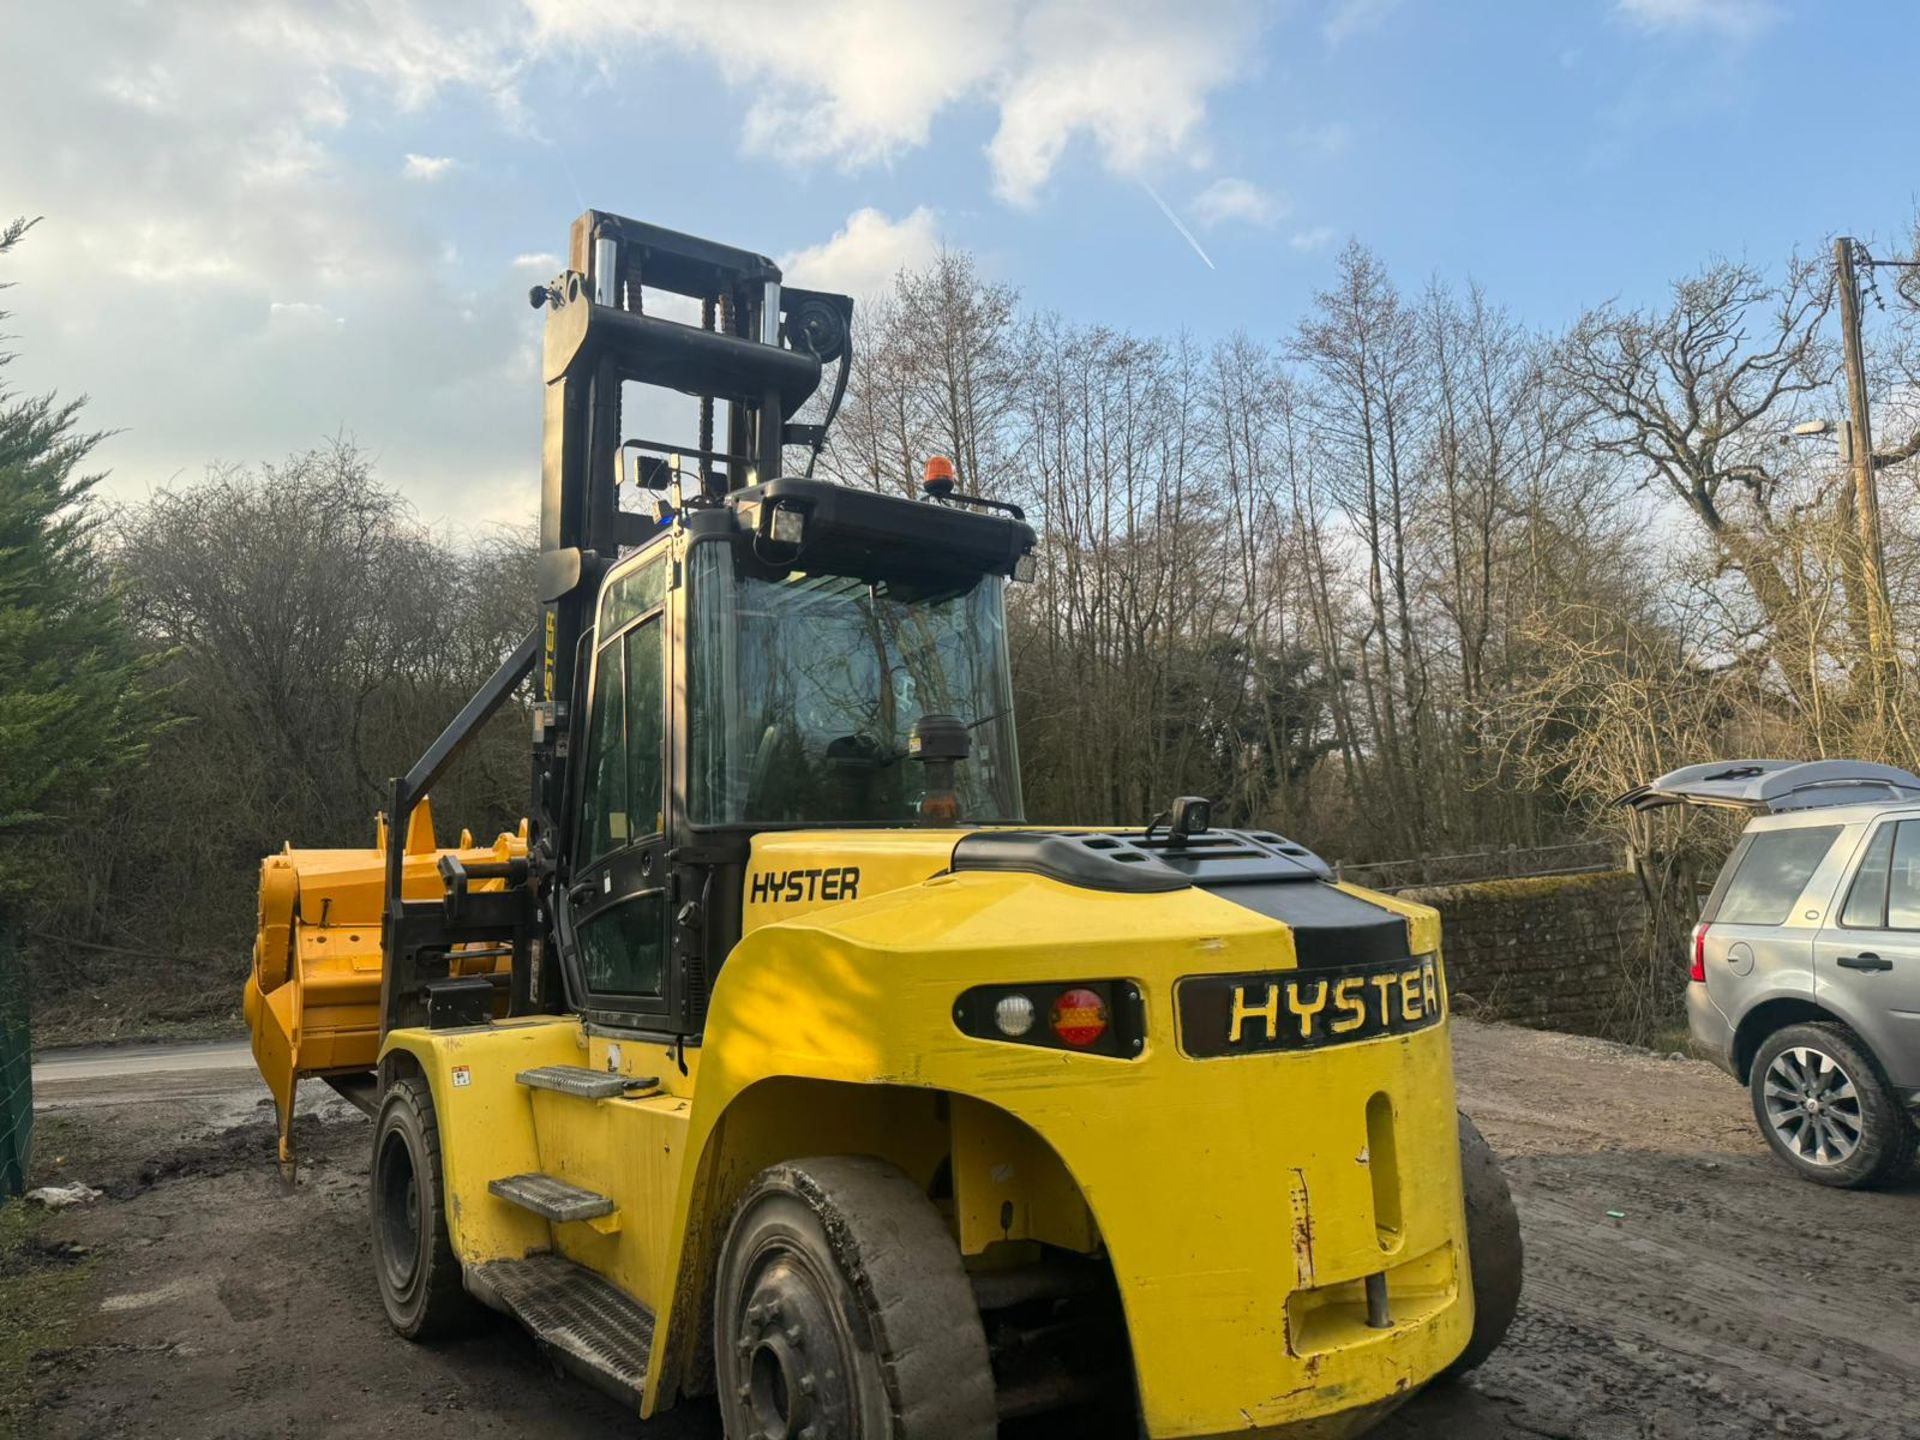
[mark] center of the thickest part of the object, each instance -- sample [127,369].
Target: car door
[1867,957]
[616,933]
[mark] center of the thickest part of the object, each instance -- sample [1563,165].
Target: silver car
[1805,976]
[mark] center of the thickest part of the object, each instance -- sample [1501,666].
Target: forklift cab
[765,663]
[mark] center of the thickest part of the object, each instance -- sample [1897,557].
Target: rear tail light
[1079,1017]
[1698,971]
[1093,1017]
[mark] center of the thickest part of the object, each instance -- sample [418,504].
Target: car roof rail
[1771,787]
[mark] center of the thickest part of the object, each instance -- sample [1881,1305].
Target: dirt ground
[1731,1301]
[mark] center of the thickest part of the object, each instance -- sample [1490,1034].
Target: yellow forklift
[775,1057]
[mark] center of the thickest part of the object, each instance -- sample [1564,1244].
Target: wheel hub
[1813,1106]
[794,1371]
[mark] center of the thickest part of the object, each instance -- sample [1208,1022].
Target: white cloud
[540,262]
[853,80]
[1132,77]
[863,80]
[426,167]
[1348,18]
[1740,19]
[1230,199]
[1318,238]
[865,254]
[302,316]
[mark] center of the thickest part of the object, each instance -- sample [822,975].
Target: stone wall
[1557,952]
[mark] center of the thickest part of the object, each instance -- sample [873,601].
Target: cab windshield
[804,690]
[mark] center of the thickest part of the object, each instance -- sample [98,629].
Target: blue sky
[268,222]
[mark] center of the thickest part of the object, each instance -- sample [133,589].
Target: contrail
[1174,220]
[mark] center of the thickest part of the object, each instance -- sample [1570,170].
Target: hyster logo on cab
[1305,1009]
[790,887]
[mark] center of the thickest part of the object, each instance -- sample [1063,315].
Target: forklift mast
[760,348]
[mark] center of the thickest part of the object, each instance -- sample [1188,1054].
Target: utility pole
[1866,489]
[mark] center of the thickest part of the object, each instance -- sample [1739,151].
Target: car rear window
[1771,872]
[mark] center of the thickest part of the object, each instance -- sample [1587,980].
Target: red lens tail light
[1079,1017]
[1698,972]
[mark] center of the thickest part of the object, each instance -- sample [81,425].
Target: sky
[270,222]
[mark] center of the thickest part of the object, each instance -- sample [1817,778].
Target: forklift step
[550,1198]
[577,1080]
[580,1320]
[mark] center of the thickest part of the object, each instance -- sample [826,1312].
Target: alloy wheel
[1813,1106]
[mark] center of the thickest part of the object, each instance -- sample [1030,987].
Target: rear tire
[842,1311]
[413,1259]
[1495,1256]
[1817,1092]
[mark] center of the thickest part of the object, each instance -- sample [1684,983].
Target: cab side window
[645,710]
[623,790]
[623,941]
[604,816]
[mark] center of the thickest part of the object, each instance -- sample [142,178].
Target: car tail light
[1079,1017]
[1698,972]
[1093,1017]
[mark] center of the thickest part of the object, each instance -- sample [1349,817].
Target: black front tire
[1495,1257]
[1849,1084]
[842,1311]
[413,1259]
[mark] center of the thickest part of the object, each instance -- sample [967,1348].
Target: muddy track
[1731,1301]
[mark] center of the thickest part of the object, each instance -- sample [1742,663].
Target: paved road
[90,1077]
[90,1062]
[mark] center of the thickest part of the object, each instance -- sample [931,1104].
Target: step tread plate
[551,1198]
[575,1080]
[581,1320]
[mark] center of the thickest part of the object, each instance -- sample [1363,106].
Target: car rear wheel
[1494,1255]
[1826,1110]
[842,1311]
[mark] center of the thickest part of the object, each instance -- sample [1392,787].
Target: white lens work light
[786,524]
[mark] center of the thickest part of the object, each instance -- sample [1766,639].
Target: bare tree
[1694,399]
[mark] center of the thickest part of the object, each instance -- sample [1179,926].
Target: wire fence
[1580,857]
[16,1072]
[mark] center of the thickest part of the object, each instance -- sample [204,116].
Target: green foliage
[313,637]
[42,1289]
[73,707]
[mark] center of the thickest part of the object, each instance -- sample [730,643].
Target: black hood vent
[1264,872]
